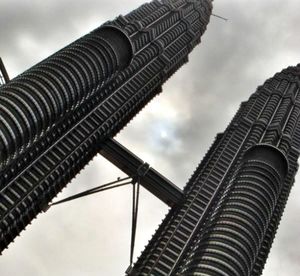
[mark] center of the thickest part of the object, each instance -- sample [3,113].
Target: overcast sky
[91,236]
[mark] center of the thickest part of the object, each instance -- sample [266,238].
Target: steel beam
[152,180]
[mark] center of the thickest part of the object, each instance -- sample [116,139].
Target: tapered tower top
[35,101]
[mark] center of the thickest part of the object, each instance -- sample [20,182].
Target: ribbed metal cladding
[34,101]
[232,237]
[276,217]
[272,115]
[39,98]
[290,144]
[163,34]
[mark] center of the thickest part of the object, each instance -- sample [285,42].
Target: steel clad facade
[40,158]
[189,239]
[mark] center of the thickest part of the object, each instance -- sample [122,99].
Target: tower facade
[234,201]
[55,116]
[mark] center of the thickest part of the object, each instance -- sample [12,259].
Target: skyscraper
[58,115]
[234,201]
[55,116]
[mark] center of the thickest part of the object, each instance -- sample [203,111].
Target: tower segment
[33,102]
[56,115]
[234,200]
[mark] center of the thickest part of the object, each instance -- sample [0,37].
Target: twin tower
[56,116]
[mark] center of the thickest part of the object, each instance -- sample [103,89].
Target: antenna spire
[223,18]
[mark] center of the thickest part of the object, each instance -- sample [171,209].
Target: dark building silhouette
[234,201]
[55,116]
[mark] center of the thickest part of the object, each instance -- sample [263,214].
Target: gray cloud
[31,29]
[91,236]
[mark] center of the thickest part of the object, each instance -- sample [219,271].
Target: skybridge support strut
[152,180]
